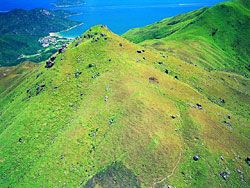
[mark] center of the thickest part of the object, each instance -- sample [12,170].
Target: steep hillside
[10,77]
[20,31]
[110,113]
[215,38]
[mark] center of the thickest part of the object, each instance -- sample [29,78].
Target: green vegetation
[110,108]
[20,31]
[214,38]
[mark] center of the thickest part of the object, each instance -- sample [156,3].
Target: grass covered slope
[11,76]
[215,38]
[111,113]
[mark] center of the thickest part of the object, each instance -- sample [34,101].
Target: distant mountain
[171,110]
[20,31]
[66,3]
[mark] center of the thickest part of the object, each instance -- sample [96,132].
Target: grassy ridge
[213,38]
[110,108]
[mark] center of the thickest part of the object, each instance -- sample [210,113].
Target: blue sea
[118,15]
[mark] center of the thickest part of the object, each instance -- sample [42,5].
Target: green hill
[112,113]
[20,31]
[215,38]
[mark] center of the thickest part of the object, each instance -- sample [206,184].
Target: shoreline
[59,35]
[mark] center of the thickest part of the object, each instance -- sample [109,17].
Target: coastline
[59,35]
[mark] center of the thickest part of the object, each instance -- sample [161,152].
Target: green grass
[214,38]
[69,136]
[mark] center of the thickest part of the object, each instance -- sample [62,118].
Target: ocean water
[118,15]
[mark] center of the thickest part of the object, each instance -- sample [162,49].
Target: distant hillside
[20,31]
[199,36]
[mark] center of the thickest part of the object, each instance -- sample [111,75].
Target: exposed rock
[21,140]
[49,64]
[39,89]
[111,121]
[196,157]
[173,116]
[239,171]
[77,74]
[106,98]
[225,175]
[103,35]
[199,106]
[248,160]
[91,65]
[222,100]
[61,50]
[53,58]
[227,123]
[96,75]
[153,80]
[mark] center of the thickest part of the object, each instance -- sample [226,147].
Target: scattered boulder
[222,101]
[77,74]
[167,71]
[239,171]
[21,140]
[160,63]
[39,89]
[111,121]
[153,80]
[106,98]
[176,77]
[62,49]
[93,133]
[120,45]
[91,65]
[49,64]
[222,158]
[53,58]
[139,51]
[248,160]
[225,175]
[196,157]
[96,75]
[199,106]
[103,35]
[227,123]
[173,116]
